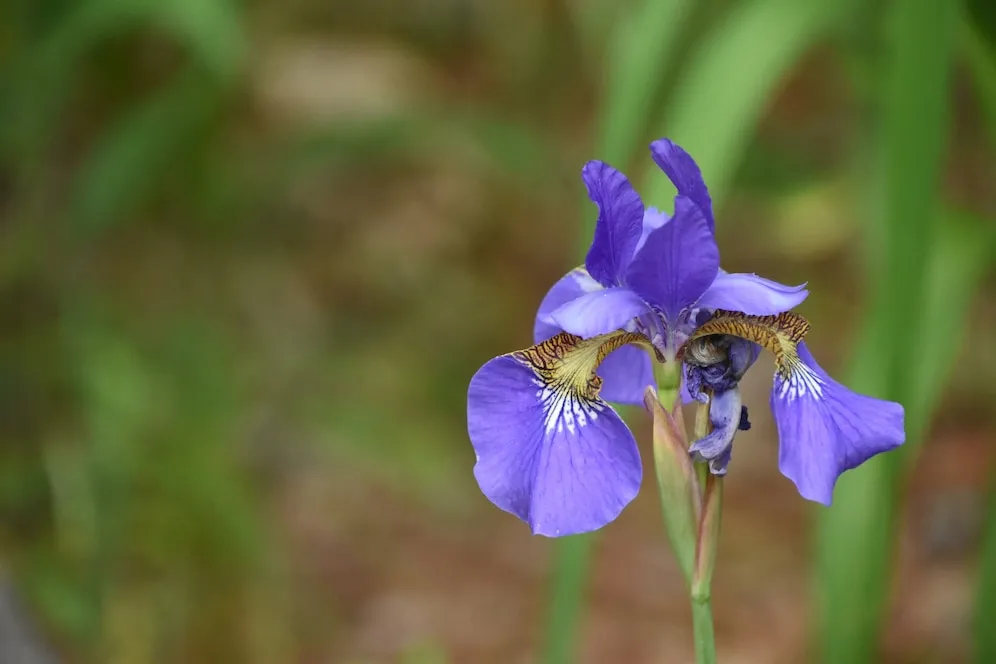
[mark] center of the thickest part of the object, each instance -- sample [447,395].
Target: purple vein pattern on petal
[600,312]
[563,465]
[751,294]
[626,373]
[678,262]
[682,170]
[825,429]
[571,286]
[619,225]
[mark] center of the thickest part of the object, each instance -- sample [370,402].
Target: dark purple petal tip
[562,463]
[682,170]
[825,429]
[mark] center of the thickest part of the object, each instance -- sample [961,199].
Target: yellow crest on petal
[566,362]
[779,334]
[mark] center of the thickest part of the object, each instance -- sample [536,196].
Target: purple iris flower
[552,451]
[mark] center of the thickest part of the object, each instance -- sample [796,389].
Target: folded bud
[708,538]
[681,498]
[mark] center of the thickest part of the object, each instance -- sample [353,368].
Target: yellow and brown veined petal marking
[779,334]
[567,360]
[564,366]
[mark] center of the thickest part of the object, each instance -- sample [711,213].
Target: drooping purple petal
[725,415]
[561,463]
[751,294]
[825,429]
[626,373]
[596,313]
[571,286]
[619,225]
[682,170]
[677,263]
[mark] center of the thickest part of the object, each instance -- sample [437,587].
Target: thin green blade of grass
[856,534]
[985,601]
[981,62]
[133,155]
[641,54]
[982,66]
[732,74]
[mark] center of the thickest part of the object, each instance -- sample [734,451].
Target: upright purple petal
[825,429]
[677,263]
[682,170]
[751,294]
[619,225]
[626,373]
[571,286]
[603,311]
[560,461]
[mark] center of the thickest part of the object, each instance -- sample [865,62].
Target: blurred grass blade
[731,75]
[963,252]
[134,154]
[856,534]
[981,61]
[639,56]
[985,606]
[209,29]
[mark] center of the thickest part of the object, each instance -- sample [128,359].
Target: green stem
[570,568]
[705,638]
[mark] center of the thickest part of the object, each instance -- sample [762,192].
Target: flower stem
[570,570]
[705,638]
[705,553]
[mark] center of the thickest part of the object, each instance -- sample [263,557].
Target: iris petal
[682,170]
[751,294]
[825,429]
[571,286]
[548,449]
[625,372]
[619,225]
[603,311]
[725,414]
[677,263]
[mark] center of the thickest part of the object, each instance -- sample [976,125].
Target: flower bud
[681,498]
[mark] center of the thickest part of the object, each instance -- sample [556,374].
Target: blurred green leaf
[856,534]
[209,29]
[732,74]
[985,605]
[136,153]
[639,60]
[981,60]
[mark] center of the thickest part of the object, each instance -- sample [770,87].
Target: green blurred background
[252,252]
